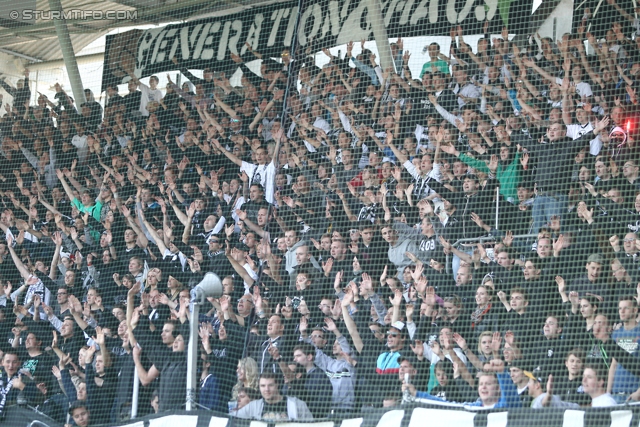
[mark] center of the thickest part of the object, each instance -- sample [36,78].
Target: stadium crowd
[468,234]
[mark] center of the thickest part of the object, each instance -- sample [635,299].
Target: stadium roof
[35,40]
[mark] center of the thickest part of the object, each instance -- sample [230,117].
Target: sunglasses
[392,334]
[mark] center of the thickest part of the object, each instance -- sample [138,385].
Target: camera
[295,302]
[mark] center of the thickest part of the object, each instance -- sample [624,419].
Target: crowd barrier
[413,415]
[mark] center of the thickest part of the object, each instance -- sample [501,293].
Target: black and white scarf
[4,391]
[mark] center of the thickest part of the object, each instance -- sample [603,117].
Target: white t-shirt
[433,358]
[469,90]
[253,275]
[80,142]
[148,95]
[262,174]
[556,402]
[582,88]
[321,123]
[603,401]
[595,145]
[576,130]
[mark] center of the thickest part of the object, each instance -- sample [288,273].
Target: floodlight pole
[380,34]
[68,54]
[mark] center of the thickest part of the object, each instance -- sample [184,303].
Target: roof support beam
[68,54]
[20,55]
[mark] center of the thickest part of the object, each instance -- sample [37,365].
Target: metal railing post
[134,398]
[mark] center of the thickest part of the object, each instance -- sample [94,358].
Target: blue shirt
[508,394]
[623,380]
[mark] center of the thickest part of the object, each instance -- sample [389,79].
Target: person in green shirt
[507,169]
[437,62]
[86,204]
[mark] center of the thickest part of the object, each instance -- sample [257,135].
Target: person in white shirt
[443,348]
[149,93]
[79,141]
[576,130]
[594,380]
[319,121]
[467,92]
[264,172]
[583,89]
[584,126]
[429,170]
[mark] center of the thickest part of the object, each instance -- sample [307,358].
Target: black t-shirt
[39,366]
[571,390]
[276,411]
[449,393]
[127,254]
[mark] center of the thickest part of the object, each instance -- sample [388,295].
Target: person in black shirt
[317,389]
[102,380]
[132,99]
[446,388]
[569,385]
[34,361]
[547,352]
[224,353]
[518,318]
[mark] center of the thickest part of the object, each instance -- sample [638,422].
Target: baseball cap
[533,376]
[397,325]
[597,258]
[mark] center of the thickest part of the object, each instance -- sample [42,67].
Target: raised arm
[402,158]
[106,354]
[462,343]
[142,239]
[53,269]
[530,64]
[226,108]
[621,11]
[131,295]
[235,159]
[464,48]
[184,219]
[76,312]
[530,87]
[464,372]
[349,322]
[66,187]
[146,377]
[157,239]
[238,267]
[242,215]
[16,259]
